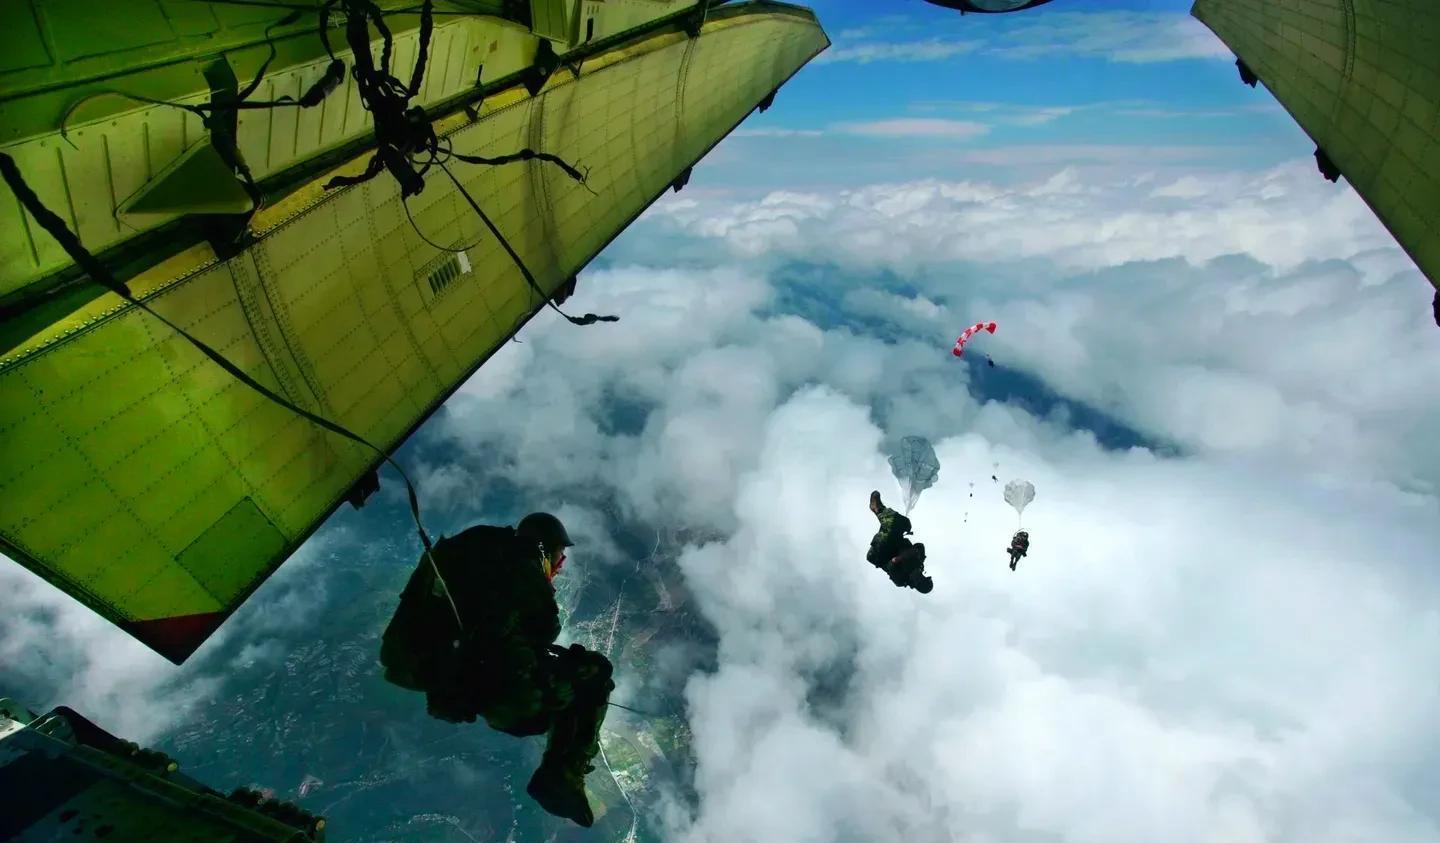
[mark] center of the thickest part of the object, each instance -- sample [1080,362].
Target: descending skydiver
[1019,494]
[500,662]
[894,554]
[1019,546]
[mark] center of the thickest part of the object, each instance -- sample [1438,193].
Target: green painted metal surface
[1362,78]
[159,491]
[114,149]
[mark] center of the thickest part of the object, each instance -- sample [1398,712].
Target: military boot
[560,790]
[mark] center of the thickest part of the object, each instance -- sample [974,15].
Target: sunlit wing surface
[1362,78]
[139,477]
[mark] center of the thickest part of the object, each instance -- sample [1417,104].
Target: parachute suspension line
[405,203]
[587,319]
[56,228]
[440,156]
[405,139]
[219,115]
[1019,494]
[333,76]
[649,714]
[916,468]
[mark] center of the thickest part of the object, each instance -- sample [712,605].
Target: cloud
[60,653]
[1201,113]
[1135,680]
[1061,218]
[1102,273]
[915,127]
[1006,113]
[1014,155]
[899,127]
[1137,684]
[1042,116]
[1015,114]
[776,133]
[930,49]
[1129,37]
[1117,36]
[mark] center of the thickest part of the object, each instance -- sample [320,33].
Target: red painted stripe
[176,638]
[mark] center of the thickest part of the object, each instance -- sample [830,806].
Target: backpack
[417,645]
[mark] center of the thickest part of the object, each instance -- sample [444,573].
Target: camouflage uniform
[504,666]
[902,561]
[889,539]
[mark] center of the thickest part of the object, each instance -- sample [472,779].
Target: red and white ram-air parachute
[969,332]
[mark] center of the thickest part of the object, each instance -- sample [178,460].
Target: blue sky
[908,81]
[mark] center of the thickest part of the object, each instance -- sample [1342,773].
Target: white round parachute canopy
[916,468]
[1019,494]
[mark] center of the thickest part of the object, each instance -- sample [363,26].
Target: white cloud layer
[1061,219]
[1127,155]
[1275,321]
[1138,679]
[1236,644]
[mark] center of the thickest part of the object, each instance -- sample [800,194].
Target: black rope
[530,155]
[400,130]
[405,140]
[405,203]
[636,710]
[587,319]
[218,115]
[313,96]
